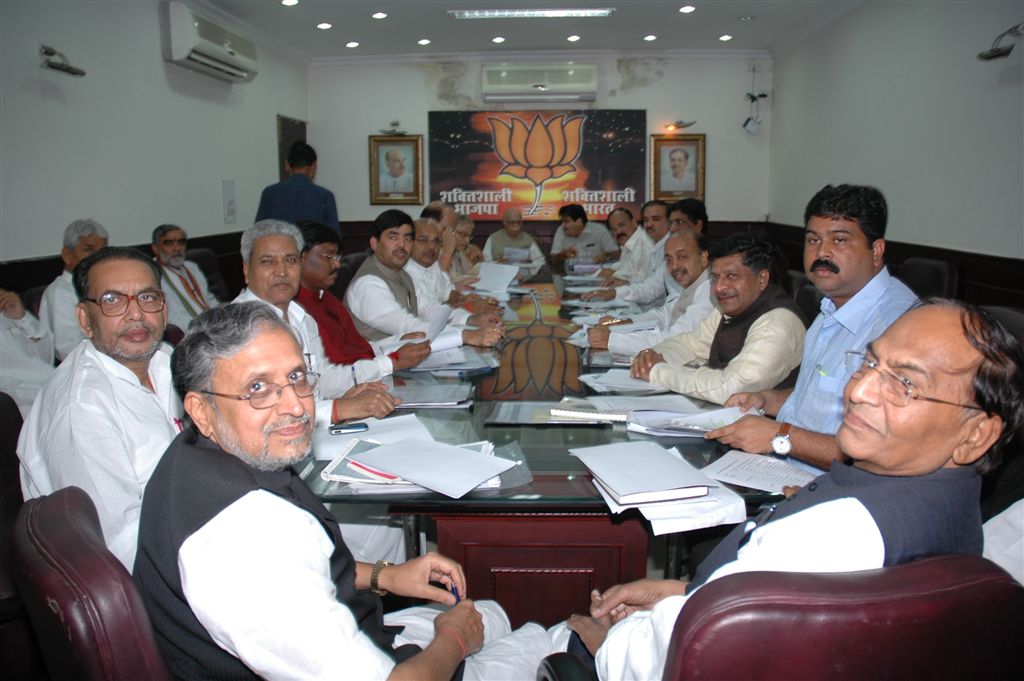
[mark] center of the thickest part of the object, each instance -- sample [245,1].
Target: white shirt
[1004,540]
[772,349]
[295,628]
[637,260]
[369,298]
[678,315]
[177,294]
[671,183]
[636,647]
[389,184]
[432,290]
[335,379]
[527,269]
[57,311]
[652,289]
[595,238]
[95,426]
[26,358]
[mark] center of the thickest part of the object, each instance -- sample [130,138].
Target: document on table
[640,472]
[596,304]
[495,276]
[525,413]
[516,254]
[757,472]
[673,403]
[619,381]
[585,278]
[391,429]
[582,289]
[447,469]
[670,424]
[440,359]
[426,396]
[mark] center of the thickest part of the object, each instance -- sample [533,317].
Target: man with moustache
[105,418]
[511,235]
[436,296]
[931,405]
[686,260]
[751,341]
[382,296]
[636,262]
[342,342]
[82,238]
[245,573]
[658,286]
[185,286]
[579,238]
[844,248]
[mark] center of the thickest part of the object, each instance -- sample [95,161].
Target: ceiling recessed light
[746,17]
[686,9]
[573,38]
[324,26]
[530,13]
[650,38]
[289,3]
[379,15]
[423,41]
[352,43]
[497,39]
[725,38]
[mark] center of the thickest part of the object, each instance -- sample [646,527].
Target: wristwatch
[375,575]
[781,444]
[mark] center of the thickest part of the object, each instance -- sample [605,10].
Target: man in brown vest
[382,296]
[754,337]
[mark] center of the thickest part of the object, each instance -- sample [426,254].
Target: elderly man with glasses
[105,418]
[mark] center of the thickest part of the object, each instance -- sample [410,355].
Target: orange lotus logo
[540,152]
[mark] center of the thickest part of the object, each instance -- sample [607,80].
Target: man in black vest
[931,405]
[245,573]
[754,337]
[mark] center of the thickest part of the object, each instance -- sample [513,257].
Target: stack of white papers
[719,506]
[596,304]
[579,290]
[585,278]
[674,424]
[447,469]
[641,472]
[619,381]
[391,429]
[439,359]
[516,254]
[757,472]
[433,396]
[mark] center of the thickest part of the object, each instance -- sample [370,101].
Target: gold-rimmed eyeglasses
[895,389]
[115,303]
[265,395]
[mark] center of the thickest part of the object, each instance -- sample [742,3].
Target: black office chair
[928,278]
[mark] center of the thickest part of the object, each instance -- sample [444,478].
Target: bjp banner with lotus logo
[537,161]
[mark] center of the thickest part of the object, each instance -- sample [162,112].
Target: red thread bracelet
[393,356]
[458,639]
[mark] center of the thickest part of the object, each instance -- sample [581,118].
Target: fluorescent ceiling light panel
[530,13]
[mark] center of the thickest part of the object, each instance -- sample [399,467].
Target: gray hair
[219,333]
[159,232]
[269,228]
[83,228]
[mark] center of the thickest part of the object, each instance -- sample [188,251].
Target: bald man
[514,246]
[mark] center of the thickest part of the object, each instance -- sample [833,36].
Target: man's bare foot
[592,631]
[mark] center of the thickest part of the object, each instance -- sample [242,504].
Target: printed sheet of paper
[757,472]
[495,276]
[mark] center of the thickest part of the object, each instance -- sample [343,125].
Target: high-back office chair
[929,278]
[86,612]
[946,617]
[207,261]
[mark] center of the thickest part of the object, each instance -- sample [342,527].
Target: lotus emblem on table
[540,152]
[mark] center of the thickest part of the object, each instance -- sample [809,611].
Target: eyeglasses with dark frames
[265,395]
[895,389]
[115,303]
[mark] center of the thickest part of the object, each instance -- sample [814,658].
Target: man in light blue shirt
[844,246]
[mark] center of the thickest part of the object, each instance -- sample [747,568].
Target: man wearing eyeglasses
[107,415]
[931,405]
[188,292]
[512,245]
[844,249]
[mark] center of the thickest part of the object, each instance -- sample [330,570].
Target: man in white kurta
[107,415]
[57,307]
[512,236]
[26,352]
[188,292]
[636,261]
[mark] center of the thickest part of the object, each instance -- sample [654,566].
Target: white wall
[892,95]
[350,101]
[137,141]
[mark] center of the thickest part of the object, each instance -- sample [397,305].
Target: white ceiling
[775,24]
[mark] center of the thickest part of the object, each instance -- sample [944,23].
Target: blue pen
[455,592]
[355,381]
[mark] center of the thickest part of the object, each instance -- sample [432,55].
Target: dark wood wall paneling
[984,279]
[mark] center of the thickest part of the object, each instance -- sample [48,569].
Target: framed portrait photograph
[677,167]
[396,169]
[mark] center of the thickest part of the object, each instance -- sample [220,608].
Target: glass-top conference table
[543,540]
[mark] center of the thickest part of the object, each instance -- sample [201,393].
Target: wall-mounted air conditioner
[539,82]
[195,42]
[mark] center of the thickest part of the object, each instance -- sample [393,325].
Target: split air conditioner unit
[196,43]
[539,82]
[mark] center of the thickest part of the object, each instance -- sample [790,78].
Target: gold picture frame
[677,167]
[396,169]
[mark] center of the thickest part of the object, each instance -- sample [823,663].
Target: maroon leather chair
[83,605]
[948,617]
